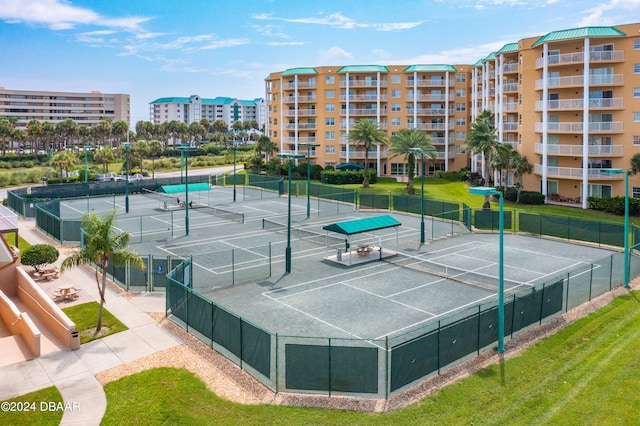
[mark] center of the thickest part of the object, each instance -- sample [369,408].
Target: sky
[159,48]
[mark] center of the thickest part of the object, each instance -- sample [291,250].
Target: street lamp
[422,151]
[185,148]
[484,191]
[309,146]
[626,220]
[86,163]
[287,253]
[126,186]
[234,170]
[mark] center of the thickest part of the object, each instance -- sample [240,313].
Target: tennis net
[165,200]
[303,233]
[218,212]
[469,277]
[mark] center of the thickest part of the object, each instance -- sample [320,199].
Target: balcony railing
[364,97]
[301,85]
[432,126]
[363,83]
[510,127]
[510,87]
[578,104]
[438,141]
[428,111]
[365,111]
[292,99]
[359,155]
[301,112]
[510,106]
[429,83]
[575,127]
[510,68]
[430,97]
[302,150]
[576,173]
[310,139]
[301,126]
[578,81]
[576,150]
[578,58]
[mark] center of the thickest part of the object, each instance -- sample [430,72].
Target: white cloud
[270,31]
[467,55]
[285,43]
[335,53]
[219,44]
[60,15]
[337,20]
[596,15]
[380,53]
[146,36]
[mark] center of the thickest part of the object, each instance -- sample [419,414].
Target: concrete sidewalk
[72,372]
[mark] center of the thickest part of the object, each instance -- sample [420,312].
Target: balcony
[510,87]
[301,150]
[300,99]
[510,127]
[429,83]
[365,111]
[301,112]
[576,127]
[510,107]
[301,126]
[576,150]
[578,81]
[578,104]
[438,141]
[382,97]
[510,68]
[310,139]
[432,126]
[430,97]
[363,83]
[576,173]
[301,85]
[578,58]
[428,111]
[359,155]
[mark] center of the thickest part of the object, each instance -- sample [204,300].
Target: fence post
[387,354]
[329,369]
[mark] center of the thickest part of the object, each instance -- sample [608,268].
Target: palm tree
[520,165]
[102,246]
[401,144]
[155,149]
[64,160]
[482,139]
[67,131]
[104,156]
[140,149]
[368,134]
[266,146]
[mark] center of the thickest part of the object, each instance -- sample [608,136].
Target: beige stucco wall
[19,323]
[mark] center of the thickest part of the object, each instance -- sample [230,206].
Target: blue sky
[158,48]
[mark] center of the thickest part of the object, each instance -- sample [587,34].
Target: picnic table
[67,291]
[363,250]
[47,274]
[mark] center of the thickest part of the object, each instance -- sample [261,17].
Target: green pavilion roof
[434,67]
[299,71]
[363,68]
[584,32]
[358,226]
[193,187]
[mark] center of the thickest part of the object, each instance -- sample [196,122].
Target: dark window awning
[358,226]
[193,187]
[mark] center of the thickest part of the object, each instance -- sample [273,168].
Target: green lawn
[85,316]
[586,374]
[34,413]
[22,243]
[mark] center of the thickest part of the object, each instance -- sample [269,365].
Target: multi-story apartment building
[195,108]
[320,105]
[84,108]
[568,100]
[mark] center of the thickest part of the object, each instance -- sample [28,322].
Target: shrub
[613,205]
[511,194]
[39,256]
[451,176]
[341,178]
[530,197]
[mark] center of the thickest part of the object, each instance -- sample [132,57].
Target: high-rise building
[195,108]
[83,108]
[568,100]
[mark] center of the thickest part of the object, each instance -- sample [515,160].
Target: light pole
[86,163]
[126,185]
[185,148]
[287,253]
[234,170]
[485,190]
[422,151]
[626,220]
[309,146]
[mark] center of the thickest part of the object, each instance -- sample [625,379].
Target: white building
[195,108]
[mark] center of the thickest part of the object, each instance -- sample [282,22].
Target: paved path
[72,372]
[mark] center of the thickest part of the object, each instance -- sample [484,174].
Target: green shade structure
[422,151]
[309,146]
[626,219]
[184,148]
[126,187]
[485,190]
[287,253]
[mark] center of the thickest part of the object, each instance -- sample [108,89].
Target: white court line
[387,299]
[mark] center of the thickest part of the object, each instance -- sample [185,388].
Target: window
[330,136]
[461,121]
[636,140]
[636,44]
[396,107]
[275,84]
[461,78]
[329,107]
[395,93]
[330,149]
[396,79]
[461,107]
[461,93]
[329,94]
[636,117]
[330,79]
[395,121]
[460,149]
[603,191]
[329,121]
[636,92]
[636,68]
[635,192]
[398,169]
[460,136]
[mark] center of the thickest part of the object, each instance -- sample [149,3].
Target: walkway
[73,372]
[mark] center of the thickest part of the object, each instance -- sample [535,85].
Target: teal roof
[363,68]
[435,67]
[511,47]
[175,189]
[171,100]
[478,63]
[294,71]
[584,32]
[268,78]
[358,226]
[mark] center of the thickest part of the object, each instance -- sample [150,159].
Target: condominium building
[321,105]
[195,108]
[84,108]
[568,100]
